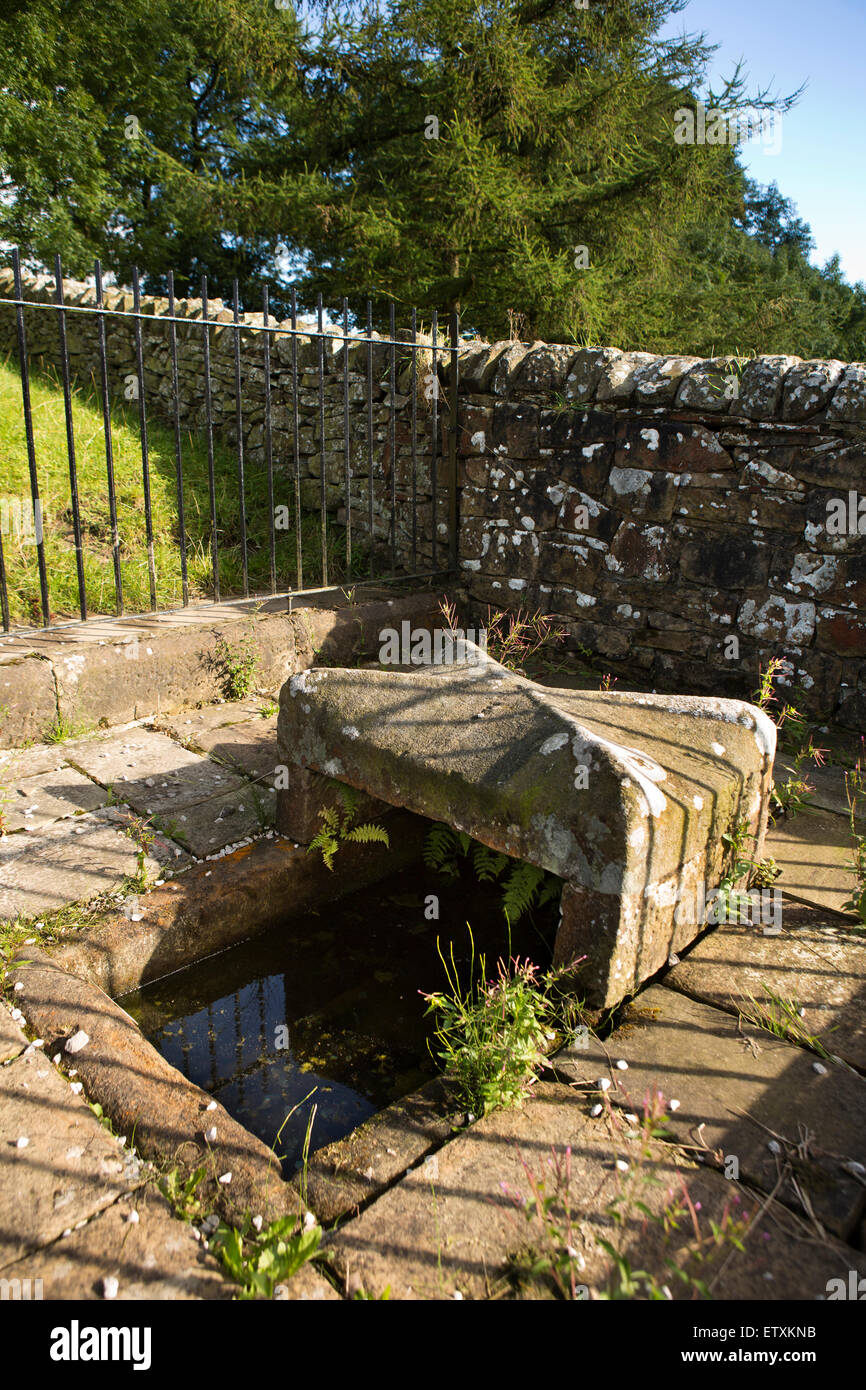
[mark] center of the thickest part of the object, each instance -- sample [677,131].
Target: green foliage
[235,663]
[791,797]
[782,1017]
[218,136]
[493,1034]
[524,887]
[259,1261]
[49,427]
[182,1192]
[337,827]
[855,786]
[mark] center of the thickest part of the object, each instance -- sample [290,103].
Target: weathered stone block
[712,385]
[777,620]
[841,632]
[657,383]
[737,562]
[642,552]
[585,373]
[543,370]
[760,386]
[808,388]
[639,492]
[515,430]
[623,796]
[848,403]
[684,448]
[617,379]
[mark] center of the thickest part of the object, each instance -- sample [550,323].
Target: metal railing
[443,454]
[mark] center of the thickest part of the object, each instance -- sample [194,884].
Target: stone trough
[625,796]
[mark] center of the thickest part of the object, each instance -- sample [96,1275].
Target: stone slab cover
[624,796]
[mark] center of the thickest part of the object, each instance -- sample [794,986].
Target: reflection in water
[324,1010]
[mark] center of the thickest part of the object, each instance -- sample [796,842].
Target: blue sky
[822,161]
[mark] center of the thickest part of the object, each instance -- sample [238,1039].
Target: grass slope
[49,428]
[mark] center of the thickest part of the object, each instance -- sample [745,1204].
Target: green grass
[49,430]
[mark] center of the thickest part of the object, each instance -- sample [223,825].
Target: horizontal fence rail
[328,431]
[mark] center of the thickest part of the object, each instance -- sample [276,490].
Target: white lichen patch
[550,745]
[350,731]
[303,681]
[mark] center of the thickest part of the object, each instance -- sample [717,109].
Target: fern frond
[440,849]
[327,842]
[487,863]
[520,890]
[367,834]
[350,799]
[551,890]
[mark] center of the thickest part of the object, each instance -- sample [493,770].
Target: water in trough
[324,1009]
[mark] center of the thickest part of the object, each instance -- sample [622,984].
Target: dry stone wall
[685,518]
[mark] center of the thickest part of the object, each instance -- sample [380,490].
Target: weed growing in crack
[182,1192]
[495,1033]
[783,1018]
[556,1222]
[235,666]
[260,1260]
[789,798]
[855,789]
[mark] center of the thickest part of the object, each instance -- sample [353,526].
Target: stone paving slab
[827,780]
[67,861]
[155,1257]
[447,1228]
[191,725]
[251,747]
[16,763]
[12,1038]
[233,732]
[738,1088]
[813,851]
[204,805]
[34,802]
[817,960]
[341,1177]
[70,1168]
